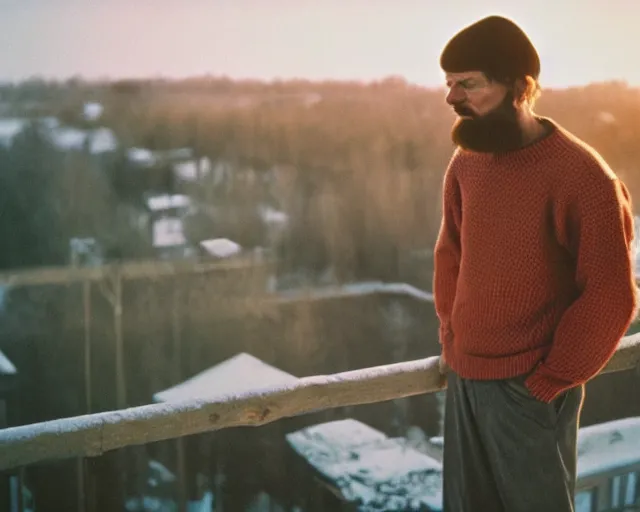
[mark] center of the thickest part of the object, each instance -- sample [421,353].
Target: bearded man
[533,281]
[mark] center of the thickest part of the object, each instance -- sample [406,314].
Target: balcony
[311,437]
[95,435]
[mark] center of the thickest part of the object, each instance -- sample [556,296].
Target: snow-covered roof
[10,128]
[168,232]
[272,216]
[92,111]
[167,201]
[359,288]
[375,472]
[102,140]
[188,170]
[141,156]
[607,446]
[239,374]
[147,158]
[6,366]
[66,138]
[221,247]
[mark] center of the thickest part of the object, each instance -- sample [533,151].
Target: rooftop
[370,470]
[239,374]
[608,446]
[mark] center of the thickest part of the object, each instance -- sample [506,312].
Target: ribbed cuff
[544,388]
[444,333]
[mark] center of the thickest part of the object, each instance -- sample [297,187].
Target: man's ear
[519,91]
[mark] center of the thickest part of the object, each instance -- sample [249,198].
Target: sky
[579,41]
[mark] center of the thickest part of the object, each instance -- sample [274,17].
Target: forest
[357,168]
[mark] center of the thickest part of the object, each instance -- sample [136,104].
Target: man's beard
[495,132]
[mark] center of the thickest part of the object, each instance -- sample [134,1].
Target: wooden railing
[93,435]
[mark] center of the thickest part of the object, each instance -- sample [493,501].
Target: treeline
[357,167]
[360,166]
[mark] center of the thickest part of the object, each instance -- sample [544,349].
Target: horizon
[246,40]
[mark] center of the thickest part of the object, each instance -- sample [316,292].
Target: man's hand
[442,364]
[444,369]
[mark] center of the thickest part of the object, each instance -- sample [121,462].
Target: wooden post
[81,462]
[121,383]
[112,290]
[177,376]
[81,483]
[113,294]
[180,470]
[86,300]
[19,492]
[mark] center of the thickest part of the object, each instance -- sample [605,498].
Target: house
[217,463]
[165,214]
[351,466]
[219,248]
[609,466]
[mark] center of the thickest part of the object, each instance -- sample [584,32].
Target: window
[624,490]
[631,492]
[585,501]
[616,491]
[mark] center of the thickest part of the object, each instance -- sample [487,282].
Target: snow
[360,288]
[92,111]
[10,128]
[168,232]
[221,247]
[157,504]
[370,469]
[6,366]
[272,216]
[141,156]
[188,170]
[241,373]
[168,201]
[66,138]
[338,435]
[608,446]
[147,158]
[100,140]
[85,252]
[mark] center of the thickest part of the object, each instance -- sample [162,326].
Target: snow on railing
[95,434]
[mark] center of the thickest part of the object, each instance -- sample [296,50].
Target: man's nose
[455,96]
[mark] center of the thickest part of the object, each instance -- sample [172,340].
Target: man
[533,280]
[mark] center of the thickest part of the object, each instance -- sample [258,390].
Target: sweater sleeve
[589,331]
[447,253]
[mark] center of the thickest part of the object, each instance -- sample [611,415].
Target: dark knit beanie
[494,45]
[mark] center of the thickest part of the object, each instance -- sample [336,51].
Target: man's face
[488,118]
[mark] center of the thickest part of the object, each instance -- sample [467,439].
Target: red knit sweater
[533,266]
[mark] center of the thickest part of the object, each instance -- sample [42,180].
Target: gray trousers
[505,451]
